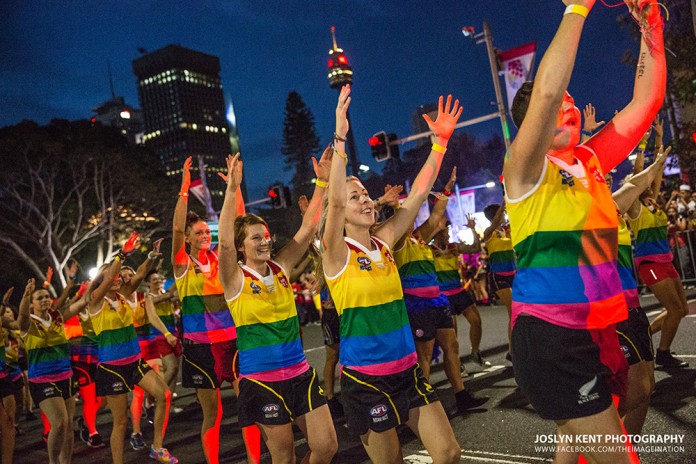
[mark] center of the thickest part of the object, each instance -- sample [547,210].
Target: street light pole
[487,38]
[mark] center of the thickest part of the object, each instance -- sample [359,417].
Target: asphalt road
[503,431]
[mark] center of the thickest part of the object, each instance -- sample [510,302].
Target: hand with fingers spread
[590,123]
[322,168]
[233,178]
[391,195]
[131,244]
[155,253]
[342,112]
[447,116]
[470,221]
[185,178]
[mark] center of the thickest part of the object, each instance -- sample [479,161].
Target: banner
[517,65]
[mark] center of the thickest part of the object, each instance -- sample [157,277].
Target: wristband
[120,256]
[439,148]
[342,155]
[339,138]
[577,9]
[151,256]
[642,145]
[321,183]
[446,192]
[183,195]
[167,333]
[587,133]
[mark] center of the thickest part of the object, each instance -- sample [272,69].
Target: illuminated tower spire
[340,74]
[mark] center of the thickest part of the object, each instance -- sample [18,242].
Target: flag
[196,188]
[517,65]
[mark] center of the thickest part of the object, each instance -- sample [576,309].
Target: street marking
[487,371]
[485,456]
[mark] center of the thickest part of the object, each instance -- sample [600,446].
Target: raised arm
[24,316]
[291,254]
[590,123]
[179,256]
[496,222]
[528,150]
[143,269]
[616,140]
[630,191]
[230,272]
[156,321]
[334,248]
[98,290]
[639,162]
[442,127]
[431,226]
[78,304]
[474,247]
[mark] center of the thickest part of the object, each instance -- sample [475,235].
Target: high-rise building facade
[117,113]
[183,106]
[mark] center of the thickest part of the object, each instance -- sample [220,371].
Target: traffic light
[279,195]
[381,148]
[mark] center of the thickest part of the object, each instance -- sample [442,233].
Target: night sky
[403,54]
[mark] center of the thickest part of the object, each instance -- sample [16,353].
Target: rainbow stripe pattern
[625,266]
[447,269]
[416,269]
[268,329]
[376,336]
[565,236]
[48,351]
[116,337]
[143,328]
[204,312]
[83,341]
[501,255]
[650,230]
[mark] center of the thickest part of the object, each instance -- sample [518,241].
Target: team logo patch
[598,176]
[419,332]
[271,410]
[255,289]
[584,392]
[567,178]
[283,281]
[197,379]
[48,391]
[365,263]
[379,413]
[117,386]
[626,353]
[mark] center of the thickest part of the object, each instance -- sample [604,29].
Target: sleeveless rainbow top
[141,321]
[268,329]
[113,324]
[376,336]
[501,255]
[447,269]
[625,266]
[83,341]
[416,269]
[165,311]
[650,230]
[48,351]
[204,313]
[565,236]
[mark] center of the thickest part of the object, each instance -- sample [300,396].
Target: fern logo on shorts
[379,413]
[271,410]
[584,391]
[365,263]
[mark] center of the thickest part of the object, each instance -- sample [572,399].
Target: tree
[71,186]
[300,143]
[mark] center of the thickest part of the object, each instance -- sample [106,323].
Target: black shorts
[500,282]
[207,365]
[380,403]
[6,387]
[427,315]
[84,372]
[560,371]
[460,301]
[331,327]
[18,383]
[634,337]
[44,390]
[278,403]
[118,380]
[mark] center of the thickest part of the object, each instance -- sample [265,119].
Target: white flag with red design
[517,65]
[197,190]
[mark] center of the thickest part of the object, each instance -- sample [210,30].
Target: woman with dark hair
[277,387]
[382,385]
[210,336]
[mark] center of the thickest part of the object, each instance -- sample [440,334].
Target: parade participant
[382,385]
[634,332]
[210,337]
[120,362]
[502,259]
[7,398]
[567,294]
[446,258]
[429,312]
[13,346]
[51,380]
[273,367]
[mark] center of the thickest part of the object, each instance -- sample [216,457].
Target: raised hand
[342,111]
[186,177]
[83,288]
[6,297]
[29,289]
[155,253]
[590,124]
[453,178]
[447,117]
[391,195]
[233,179]
[303,203]
[71,271]
[658,125]
[49,276]
[661,155]
[470,221]
[131,244]
[322,168]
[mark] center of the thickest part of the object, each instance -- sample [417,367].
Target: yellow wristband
[577,9]
[167,333]
[439,148]
[342,155]
[321,183]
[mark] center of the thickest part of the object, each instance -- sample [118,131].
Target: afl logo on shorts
[365,263]
[379,413]
[48,391]
[270,410]
[626,353]
[255,289]
[117,386]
